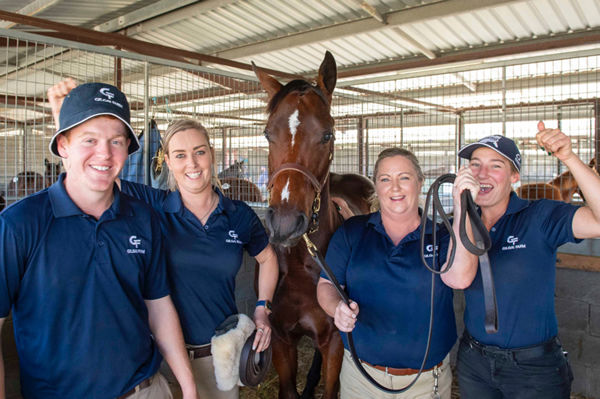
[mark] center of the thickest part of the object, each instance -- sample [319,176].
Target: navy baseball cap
[89,100]
[502,145]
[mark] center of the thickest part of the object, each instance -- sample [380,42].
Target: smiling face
[398,187]
[190,158]
[94,152]
[495,176]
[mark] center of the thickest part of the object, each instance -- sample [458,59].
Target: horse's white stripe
[294,122]
[285,193]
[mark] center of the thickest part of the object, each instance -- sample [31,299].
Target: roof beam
[30,9]
[367,24]
[161,13]
[137,46]
[500,50]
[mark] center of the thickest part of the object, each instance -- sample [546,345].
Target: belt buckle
[191,354]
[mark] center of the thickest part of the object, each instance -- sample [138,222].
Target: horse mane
[296,85]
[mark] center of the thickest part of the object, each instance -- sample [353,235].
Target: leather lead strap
[254,365]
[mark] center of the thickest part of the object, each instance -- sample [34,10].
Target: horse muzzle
[285,226]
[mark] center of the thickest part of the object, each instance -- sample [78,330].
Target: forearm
[464,267]
[268,273]
[327,296]
[588,182]
[164,324]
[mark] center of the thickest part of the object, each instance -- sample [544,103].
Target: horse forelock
[301,86]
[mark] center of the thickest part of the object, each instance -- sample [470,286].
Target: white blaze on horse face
[294,122]
[285,193]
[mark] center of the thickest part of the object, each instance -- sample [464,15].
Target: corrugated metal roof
[285,34]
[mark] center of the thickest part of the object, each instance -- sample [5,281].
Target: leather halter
[317,186]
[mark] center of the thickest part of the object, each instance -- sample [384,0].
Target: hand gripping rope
[479,248]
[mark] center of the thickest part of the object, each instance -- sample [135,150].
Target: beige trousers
[204,375]
[159,389]
[354,386]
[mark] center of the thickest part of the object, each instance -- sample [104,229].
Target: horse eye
[327,136]
[266,133]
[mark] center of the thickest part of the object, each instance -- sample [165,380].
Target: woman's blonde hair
[187,124]
[389,153]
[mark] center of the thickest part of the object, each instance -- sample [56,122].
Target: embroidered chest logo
[135,242]
[429,251]
[233,238]
[513,243]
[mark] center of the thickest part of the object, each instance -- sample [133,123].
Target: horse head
[300,133]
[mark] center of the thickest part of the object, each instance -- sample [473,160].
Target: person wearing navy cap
[205,234]
[377,258]
[81,268]
[524,359]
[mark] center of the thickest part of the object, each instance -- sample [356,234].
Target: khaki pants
[204,375]
[354,386]
[159,389]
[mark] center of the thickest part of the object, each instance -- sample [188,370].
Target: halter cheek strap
[317,186]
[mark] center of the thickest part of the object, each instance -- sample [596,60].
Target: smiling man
[81,268]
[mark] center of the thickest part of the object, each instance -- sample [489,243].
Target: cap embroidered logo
[106,91]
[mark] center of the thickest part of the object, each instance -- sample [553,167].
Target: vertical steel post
[146,153]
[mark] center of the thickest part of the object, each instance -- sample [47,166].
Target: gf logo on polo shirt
[233,239]
[429,250]
[512,243]
[133,240]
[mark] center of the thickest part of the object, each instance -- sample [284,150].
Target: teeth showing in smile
[485,187]
[398,198]
[100,168]
[193,175]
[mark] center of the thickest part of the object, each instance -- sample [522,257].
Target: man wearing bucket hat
[81,268]
[524,359]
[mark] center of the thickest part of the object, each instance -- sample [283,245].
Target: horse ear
[268,83]
[327,75]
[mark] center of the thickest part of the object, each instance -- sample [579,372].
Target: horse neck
[566,184]
[329,219]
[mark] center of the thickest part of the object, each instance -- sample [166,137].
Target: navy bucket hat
[89,100]
[502,145]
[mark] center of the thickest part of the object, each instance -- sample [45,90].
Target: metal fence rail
[430,112]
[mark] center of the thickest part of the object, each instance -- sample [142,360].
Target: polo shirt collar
[63,205]
[174,204]
[515,204]
[375,220]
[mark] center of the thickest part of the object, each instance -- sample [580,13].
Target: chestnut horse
[300,134]
[240,189]
[560,188]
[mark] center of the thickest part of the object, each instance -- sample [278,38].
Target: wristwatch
[266,303]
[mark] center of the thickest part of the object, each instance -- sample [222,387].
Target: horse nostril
[302,222]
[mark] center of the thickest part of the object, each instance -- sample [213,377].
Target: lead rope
[480,247]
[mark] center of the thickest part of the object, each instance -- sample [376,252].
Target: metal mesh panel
[431,113]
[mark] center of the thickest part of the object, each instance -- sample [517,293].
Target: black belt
[528,352]
[144,384]
[198,352]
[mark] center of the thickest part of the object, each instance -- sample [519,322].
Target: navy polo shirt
[523,261]
[76,287]
[393,291]
[202,261]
